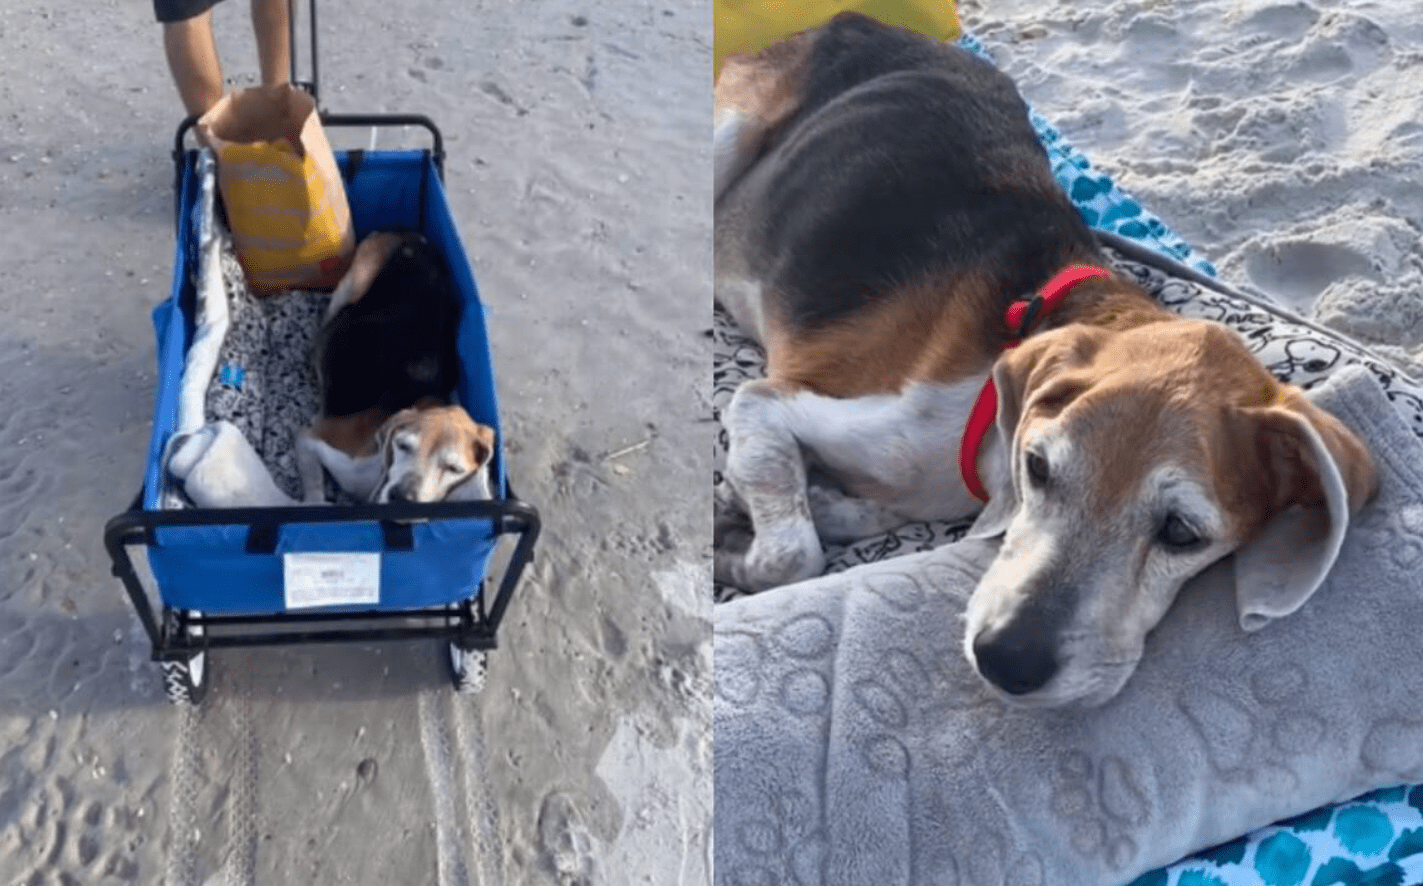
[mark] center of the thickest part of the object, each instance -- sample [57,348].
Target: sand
[577,136]
[1283,139]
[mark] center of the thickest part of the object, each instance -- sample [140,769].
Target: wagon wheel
[186,682]
[468,668]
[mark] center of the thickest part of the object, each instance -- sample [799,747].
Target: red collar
[1021,317]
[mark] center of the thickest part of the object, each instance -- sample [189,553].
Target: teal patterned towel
[1377,840]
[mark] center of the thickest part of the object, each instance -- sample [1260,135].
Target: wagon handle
[312,86]
[263,536]
[437,142]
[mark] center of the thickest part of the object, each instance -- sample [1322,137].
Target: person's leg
[192,58]
[270,23]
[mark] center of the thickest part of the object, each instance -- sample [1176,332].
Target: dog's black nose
[398,495]
[1015,659]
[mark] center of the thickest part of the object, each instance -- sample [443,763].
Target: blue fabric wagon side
[211,568]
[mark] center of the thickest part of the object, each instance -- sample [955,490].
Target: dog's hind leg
[371,255]
[755,94]
[840,517]
[767,471]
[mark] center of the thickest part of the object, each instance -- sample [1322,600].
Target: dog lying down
[886,223]
[385,358]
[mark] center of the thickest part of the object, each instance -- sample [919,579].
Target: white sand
[1284,140]
[577,137]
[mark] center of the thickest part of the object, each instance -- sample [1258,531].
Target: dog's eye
[1178,536]
[404,444]
[1037,469]
[449,468]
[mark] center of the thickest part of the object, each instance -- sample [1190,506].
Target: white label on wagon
[330,579]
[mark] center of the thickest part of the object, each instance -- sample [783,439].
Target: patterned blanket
[257,375]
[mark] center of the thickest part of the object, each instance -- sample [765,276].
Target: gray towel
[855,746]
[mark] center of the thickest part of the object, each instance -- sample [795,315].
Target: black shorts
[169,11]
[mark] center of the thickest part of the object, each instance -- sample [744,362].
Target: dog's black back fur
[397,343]
[923,161]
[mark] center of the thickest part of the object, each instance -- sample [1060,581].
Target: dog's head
[433,454]
[1128,462]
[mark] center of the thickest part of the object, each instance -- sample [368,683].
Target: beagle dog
[386,361]
[888,227]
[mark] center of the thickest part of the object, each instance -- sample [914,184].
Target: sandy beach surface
[578,174]
[1284,140]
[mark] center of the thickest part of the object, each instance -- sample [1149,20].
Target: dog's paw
[773,556]
[731,531]
[840,518]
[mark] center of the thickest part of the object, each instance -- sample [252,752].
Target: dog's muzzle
[1012,663]
[1020,656]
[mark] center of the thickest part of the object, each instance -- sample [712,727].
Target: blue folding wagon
[363,572]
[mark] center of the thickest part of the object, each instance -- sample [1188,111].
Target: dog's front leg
[309,466]
[767,471]
[357,475]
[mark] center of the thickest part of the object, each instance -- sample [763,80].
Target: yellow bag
[749,25]
[286,203]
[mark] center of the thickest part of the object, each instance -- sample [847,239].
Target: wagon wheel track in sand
[216,789]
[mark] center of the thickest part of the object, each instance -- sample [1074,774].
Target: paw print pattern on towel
[806,636]
[1392,740]
[1225,727]
[1377,530]
[1293,731]
[805,690]
[1232,731]
[782,841]
[787,660]
[900,592]
[1100,804]
[740,664]
[993,862]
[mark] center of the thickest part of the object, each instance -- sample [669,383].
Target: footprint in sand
[565,845]
[1300,271]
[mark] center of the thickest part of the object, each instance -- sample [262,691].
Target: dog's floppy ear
[1017,376]
[481,445]
[387,430]
[475,486]
[1315,474]
[996,456]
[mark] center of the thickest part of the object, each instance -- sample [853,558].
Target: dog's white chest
[901,450]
